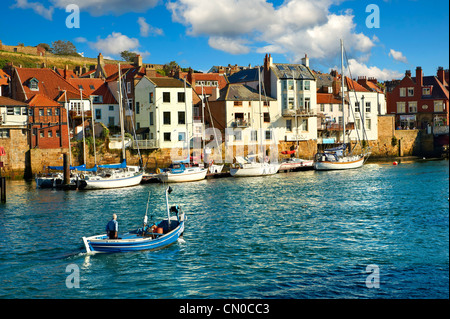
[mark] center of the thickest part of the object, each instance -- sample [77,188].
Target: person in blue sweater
[112,227]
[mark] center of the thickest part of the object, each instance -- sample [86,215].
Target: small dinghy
[160,235]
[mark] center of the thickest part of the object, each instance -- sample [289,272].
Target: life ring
[158,171]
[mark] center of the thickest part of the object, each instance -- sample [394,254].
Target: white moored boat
[178,173]
[115,178]
[245,168]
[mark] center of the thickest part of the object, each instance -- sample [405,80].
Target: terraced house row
[289,104]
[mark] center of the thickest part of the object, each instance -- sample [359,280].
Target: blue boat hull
[131,241]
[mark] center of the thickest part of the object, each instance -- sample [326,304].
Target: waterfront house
[13,134]
[163,112]
[420,102]
[47,123]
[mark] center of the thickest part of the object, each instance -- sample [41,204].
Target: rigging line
[364,133]
[132,122]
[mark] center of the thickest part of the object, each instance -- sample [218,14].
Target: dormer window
[34,84]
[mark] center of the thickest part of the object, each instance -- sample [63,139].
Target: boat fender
[158,171]
[395,163]
[82,176]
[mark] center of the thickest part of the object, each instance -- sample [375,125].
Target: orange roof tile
[354,86]
[42,100]
[328,98]
[3,78]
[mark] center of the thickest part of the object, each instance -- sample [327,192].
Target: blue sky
[203,33]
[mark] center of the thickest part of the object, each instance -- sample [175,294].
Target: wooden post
[66,169]
[3,189]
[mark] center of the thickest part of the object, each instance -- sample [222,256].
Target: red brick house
[47,121]
[420,101]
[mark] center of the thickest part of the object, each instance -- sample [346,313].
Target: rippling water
[292,235]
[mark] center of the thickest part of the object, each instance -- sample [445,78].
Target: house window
[57,112]
[41,112]
[412,107]
[291,102]
[166,118]
[268,134]
[304,125]
[290,85]
[357,110]
[368,107]
[4,133]
[266,117]
[58,133]
[340,108]
[322,107]
[138,109]
[111,107]
[307,85]
[30,112]
[181,136]
[402,92]
[358,124]
[438,106]
[167,137]
[401,108]
[111,121]
[368,124]
[24,111]
[289,125]
[50,133]
[181,97]
[411,91]
[166,97]
[98,114]
[49,112]
[237,103]
[307,104]
[150,97]
[128,87]
[331,107]
[34,84]
[254,135]
[181,118]
[97,99]
[151,118]
[41,133]
[426,91]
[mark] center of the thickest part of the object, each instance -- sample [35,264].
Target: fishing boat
[338,158]
[55,178]
[179,172]
[148,237]
[246,167]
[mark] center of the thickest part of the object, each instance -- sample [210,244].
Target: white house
[163,112]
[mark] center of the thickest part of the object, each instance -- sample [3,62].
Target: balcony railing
[145,144]
[301,112]
[335,127]
[240,123]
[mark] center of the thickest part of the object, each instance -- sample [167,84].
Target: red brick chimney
[408,73]
[419,76]
[441,74]
[266,72]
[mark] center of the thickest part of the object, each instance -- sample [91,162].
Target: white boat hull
[255,169]
[186,176]
[113,182]
[328,165]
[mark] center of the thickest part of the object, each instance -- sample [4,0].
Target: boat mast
[342,84]
[122,132]
[187,125]
[260,118]
[82,120]
[93,130]
[68,128]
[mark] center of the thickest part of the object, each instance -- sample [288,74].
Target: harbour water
[292,235]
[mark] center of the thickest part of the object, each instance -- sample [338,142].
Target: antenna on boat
[168,191]
[145,217]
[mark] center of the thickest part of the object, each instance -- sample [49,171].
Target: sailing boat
[247,166]
[116,175]
[336,158]
[180,171]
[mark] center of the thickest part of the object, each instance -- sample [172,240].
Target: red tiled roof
[3,77]
[42,100]
[354,86]
[6,101]
[50,83]
[88,85]
[328,98]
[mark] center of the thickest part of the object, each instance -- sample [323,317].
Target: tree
[170,66]
[44,46]
[61,47]
[128,56]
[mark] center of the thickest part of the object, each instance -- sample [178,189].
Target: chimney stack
[305,61]
[419,76]
[441,74]
[138,60]
[100,59]
[408,73]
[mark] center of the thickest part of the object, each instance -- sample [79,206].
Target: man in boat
[112,227]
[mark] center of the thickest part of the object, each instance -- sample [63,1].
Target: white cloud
[36,7]
[295,26]
[361,69]
[230,45]
[115,43]
[103,7]
[80,39]
[146,29]
[398,56]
